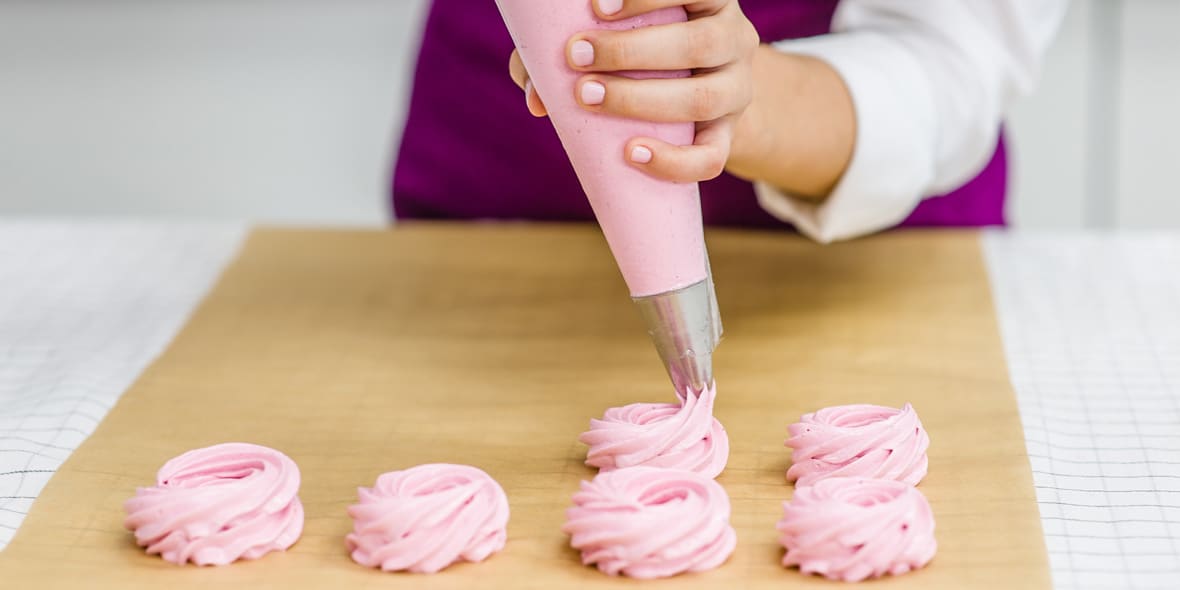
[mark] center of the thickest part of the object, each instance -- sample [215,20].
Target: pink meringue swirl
[218,504]
[649,522]
[676,436]
[425,518]
[858,441]
[850,529]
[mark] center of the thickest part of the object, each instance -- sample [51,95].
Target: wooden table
[363,352]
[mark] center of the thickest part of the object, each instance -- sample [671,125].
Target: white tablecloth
[84,307]
[1091,327]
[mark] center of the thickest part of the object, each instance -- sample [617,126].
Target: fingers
[697,44]
[516,69]
[704,97]
[521,78]
[704,160]
[620,9]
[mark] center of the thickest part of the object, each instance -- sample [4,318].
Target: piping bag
[653,227]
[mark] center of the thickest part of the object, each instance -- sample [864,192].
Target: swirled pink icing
[427,517]
[650,522]
[218,504]
[858,441]
[851,529]
[677,436]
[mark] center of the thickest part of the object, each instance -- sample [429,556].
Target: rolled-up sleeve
[930,82]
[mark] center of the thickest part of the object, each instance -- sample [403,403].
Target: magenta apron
[471,150]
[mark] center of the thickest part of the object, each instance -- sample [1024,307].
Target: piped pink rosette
[218,504]
[425,518]
[858,441]
[674,436]
[648,522]
[851,529]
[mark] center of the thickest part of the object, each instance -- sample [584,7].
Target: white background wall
[277,110]
[289,111]
[1096,145]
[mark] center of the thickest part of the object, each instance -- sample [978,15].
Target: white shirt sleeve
[930,82]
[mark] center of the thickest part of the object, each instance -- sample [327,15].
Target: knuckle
[750,37]
[705,104]
[618,52]
[620,100]
[745,96]
[744,37]
[705,41]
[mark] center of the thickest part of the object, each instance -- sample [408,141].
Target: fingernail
[582,53]
[528,88]
[610,6]
[593,93]
[640,155]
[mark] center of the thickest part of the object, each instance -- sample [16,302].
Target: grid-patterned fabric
[1091,328]
[84,307]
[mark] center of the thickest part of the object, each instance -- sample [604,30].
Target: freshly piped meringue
[218,504]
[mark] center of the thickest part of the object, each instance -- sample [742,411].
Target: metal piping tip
[718,330]
[685,327]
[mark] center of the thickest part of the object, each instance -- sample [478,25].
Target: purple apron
[471,150]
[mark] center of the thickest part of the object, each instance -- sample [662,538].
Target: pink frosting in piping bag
[678,436]
[215,505]
[427,517]
[653,227]
[858,441]
[851,529]
[647,522]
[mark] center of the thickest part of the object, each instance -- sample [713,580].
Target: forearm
[800,129]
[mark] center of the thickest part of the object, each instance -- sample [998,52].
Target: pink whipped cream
[218,504]
[428,517]
[648,522]
[676,436]
[858,441]
[851,529]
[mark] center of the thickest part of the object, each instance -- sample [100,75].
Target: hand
[717,43]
